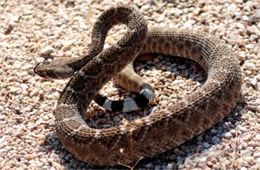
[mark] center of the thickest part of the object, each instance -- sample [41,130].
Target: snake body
[162,129]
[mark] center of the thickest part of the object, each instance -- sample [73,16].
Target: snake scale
[162,129]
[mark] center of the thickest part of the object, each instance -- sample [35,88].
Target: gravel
[31,32]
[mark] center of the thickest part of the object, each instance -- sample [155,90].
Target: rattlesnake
[162,129]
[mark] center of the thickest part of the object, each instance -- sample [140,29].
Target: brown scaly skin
[161,130]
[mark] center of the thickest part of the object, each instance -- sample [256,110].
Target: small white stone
[242,55]
[257,154]
[47,50]
[252,29]
[228,135]
[106,46]
[249,158]
[203,159]
[170,166]
[250,66]
[188,24]
[67,45]
[245,18]
[145,8]
[240,25]
[1,109]
[257,77]
[253,81]
[256,16]
[242,128]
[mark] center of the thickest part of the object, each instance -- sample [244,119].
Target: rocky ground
[32,31]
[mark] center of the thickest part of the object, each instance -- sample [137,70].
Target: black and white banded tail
[145,96]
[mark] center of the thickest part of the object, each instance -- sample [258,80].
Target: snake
[162,129]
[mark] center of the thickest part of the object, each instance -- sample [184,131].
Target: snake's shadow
[174,158]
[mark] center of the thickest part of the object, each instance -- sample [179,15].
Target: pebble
[170,166]
[164,103]
[250,46]
[67,45]
[255,17]
[145,8]
[243,168]
[253,30]
[257,137]
[28,137]
[216,139]
[47,50]
[257,77]
[189,24]
[228,135]
[250,66]
[206,145]
[30,156]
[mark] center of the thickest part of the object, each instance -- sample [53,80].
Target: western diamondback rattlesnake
[161,130]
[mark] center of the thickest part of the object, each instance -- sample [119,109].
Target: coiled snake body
[161,130]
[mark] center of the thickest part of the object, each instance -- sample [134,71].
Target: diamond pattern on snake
[163,129]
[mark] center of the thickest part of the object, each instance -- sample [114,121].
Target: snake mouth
[35,68]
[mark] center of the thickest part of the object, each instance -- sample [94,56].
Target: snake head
[56,69]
